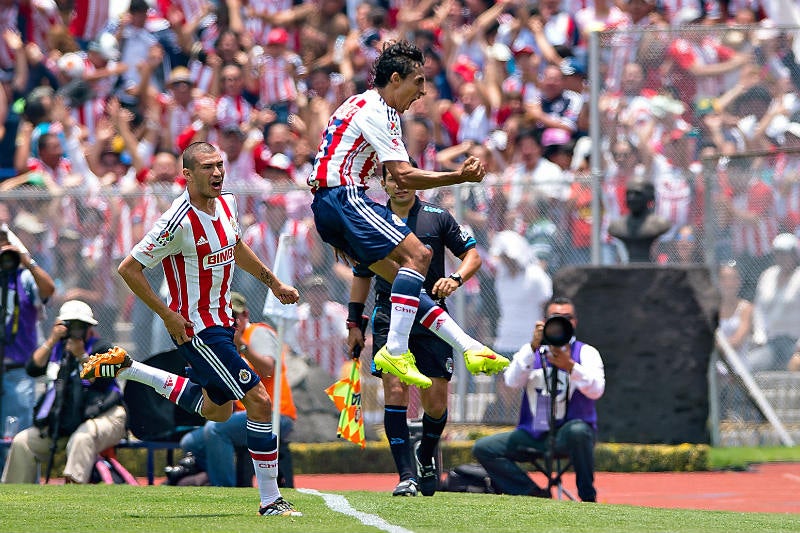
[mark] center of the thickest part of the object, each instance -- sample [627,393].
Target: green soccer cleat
[485,360]
[106,365]
[403,366]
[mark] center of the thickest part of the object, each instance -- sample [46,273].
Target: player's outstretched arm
[247,259]
[408,176]
[132,272]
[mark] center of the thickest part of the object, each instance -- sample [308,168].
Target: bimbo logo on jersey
[222,257]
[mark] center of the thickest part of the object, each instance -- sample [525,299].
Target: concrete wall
[654,326]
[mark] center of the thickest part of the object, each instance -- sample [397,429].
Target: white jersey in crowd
[363,131]
[196,251]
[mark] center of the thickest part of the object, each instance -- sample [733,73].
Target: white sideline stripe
[340,504]
[793,477]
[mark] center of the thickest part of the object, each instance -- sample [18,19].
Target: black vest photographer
[89,413]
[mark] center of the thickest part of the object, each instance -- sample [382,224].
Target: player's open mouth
[216,185]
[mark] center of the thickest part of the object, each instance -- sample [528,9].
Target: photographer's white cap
[76,310]
[785,242]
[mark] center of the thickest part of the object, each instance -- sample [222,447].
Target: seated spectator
[87,412]
[581,382]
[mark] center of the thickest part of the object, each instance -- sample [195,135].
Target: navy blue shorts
[348,219]
[217,366]
[434,357]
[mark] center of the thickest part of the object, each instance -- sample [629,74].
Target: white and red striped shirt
[89,17]
[754,237]
[361,132]
[232,110]
[197,252]
[255,25]
[322,339]
[276,78]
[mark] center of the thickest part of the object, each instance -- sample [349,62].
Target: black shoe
[539,492]
[279,507]
[187,466]
[406,487]
[427,479]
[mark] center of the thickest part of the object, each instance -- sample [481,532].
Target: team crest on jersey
[394,128]
[397,220]
[245,376]
[165,237]
[234,224]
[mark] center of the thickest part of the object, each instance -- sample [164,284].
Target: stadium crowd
[97,105]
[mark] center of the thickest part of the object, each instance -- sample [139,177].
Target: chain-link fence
[708,116]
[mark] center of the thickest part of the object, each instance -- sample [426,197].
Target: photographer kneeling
[580,382]
[89,414]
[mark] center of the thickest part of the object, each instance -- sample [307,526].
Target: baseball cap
[76,310]
[784,242]
[238,302]
[106,45]
[281,162]
[552,136]
[71,65]
[180,74]
[465,68]
[523,49]
[277,36]
[276,200]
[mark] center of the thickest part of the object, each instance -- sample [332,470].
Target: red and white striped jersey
[754,237]
[197,253]
[276,78]
[41,20]
[256,26]
[89,17]
[361,132]
[232,110]
[322,339]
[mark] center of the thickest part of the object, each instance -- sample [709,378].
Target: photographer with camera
[24,287]
[88,413]
[553,361]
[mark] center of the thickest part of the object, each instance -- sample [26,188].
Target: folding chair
[553,466]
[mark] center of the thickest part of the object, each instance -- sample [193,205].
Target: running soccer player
[198,241]
[363,131]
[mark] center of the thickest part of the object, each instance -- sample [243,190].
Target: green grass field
[123,508]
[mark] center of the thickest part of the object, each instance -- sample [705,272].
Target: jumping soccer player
[364,130]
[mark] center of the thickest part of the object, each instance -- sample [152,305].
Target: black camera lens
[77,329]
[9,261]
[558,331]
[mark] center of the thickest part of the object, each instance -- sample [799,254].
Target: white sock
[442,324]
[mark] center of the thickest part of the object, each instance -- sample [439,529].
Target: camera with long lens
[558,331]
[76,329]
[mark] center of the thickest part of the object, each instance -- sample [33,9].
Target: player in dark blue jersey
[438,230]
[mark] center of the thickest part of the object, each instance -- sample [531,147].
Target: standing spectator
[278,70]
[750,202]
[580,383]
[776,306]
[320,335]
[531,173]
[521,286]
[29,286]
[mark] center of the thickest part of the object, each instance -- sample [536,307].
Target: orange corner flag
[346,396]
